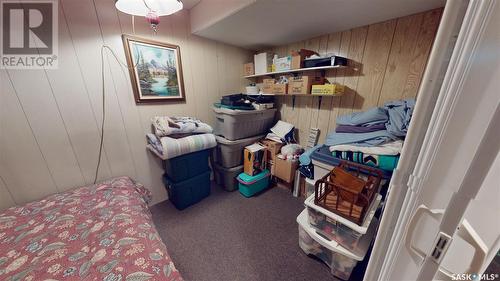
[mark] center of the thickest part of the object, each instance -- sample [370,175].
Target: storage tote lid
[358,254]
[251,179]
[225,141]
[224,169]
[358,228]
[323,157]
[242,112]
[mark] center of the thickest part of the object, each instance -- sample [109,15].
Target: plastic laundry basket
[340,260]
[229,153]
[239,124]
[226,177]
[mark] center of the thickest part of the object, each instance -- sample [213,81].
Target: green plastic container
[189,192]
[187,166]
[251,185]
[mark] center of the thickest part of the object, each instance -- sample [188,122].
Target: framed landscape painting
[155,70]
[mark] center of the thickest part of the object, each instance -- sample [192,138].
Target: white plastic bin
[309,187]
[229,153]
[239,124]
[337,228]
[340,260]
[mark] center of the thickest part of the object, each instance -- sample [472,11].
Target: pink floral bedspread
[98,232]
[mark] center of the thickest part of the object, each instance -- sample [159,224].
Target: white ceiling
[188,4]
[266,23]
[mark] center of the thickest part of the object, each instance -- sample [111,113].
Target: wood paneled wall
[390,57]
[50,119]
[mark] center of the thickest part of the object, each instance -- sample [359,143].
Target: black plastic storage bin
[186,166]
[189,192]
[328,61]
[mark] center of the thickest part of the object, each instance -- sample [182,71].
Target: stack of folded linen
[175,136]
[373,137]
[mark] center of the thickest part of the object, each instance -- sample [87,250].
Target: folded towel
[389,148]
[384,162]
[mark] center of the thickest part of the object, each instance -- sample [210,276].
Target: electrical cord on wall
[103,120]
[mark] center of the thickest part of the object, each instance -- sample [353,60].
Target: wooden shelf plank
[297,95]
[296,70]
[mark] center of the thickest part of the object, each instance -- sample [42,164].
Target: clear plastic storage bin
[340,260]
[229,153]
[337,228]
[239,124]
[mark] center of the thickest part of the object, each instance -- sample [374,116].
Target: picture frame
[155,70]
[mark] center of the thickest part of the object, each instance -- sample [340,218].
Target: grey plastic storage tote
[239,124]
[229,153]
[226,177]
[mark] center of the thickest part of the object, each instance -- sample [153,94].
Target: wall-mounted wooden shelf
[295,95]
[298,95]
[296,70]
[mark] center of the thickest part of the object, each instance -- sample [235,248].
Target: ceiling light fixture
[150,9]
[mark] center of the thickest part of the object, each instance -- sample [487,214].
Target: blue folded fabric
[400,113]
[305,158]
[363,139]
[376,115]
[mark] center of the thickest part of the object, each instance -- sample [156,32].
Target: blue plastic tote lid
[251,179]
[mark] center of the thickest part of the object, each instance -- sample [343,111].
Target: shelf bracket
[320,98]
[293,102]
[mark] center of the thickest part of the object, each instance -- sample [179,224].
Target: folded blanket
[154,142]
[384,162]
[389,148]
[362,139]
[172,147]
[359,129]
[376,115]
[400,113]
[166,126]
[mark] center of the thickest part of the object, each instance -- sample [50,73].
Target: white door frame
[437,97]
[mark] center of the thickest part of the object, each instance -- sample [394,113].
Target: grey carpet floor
[229,237]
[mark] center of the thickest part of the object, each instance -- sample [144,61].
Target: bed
[99,232]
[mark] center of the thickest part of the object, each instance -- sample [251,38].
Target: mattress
[97,232]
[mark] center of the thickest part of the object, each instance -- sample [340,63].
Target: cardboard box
[254,159]
[262,62]
[272,149]
[280,89]
[267,86]
[299,56]
[282,64]
[296,62]
[285,169]
[301,85]
[271,167]
[248,69]
[328,89]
